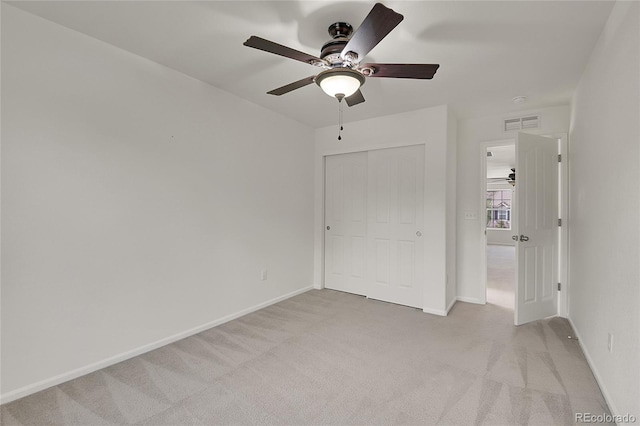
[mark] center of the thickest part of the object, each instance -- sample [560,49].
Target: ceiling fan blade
[355,99]
[271,47]
[402,70]
[292,86]
[378,23]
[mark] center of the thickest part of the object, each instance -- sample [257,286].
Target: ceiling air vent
[512,124]
[520,123]
[530,122]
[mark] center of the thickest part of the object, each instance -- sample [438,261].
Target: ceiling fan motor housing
[331,50]
[340,33]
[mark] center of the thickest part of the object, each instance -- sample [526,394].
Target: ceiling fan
[340,58]
[511,178]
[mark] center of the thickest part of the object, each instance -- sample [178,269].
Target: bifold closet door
[345,222]
[395,220]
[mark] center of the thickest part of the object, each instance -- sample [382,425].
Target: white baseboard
[453,302]
[605,393]
[439,312]
[78,372]
[471,300]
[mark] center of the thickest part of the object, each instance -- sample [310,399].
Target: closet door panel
[396,202]
[345,222]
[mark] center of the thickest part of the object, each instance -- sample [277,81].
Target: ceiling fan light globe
[340,81]
[345,85]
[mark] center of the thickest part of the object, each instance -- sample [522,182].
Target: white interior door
[345,222]
[395,225]
[537,221]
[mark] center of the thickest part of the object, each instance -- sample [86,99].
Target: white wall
[604,224]
[451,213]
[471,134]
[138,204]
[427,126]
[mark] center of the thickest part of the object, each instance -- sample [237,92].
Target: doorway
[541,282]
[499,216]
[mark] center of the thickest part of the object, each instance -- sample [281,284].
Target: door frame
[482,203]
[563,190]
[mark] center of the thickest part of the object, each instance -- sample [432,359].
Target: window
[499,209]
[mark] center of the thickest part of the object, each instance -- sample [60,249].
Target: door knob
[328,227]
[418,233]
[514,238]
[524,238]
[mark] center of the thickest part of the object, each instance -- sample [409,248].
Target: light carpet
[501,275]
[326,357]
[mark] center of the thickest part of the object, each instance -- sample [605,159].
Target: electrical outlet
[610,342]
[263,275]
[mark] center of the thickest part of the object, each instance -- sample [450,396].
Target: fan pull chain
[340,119]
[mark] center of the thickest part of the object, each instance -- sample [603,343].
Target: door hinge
[559,222]
[559,286]
[559,158]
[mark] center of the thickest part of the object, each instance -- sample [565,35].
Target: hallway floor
[501,261]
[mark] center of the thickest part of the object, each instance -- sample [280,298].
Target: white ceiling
[488,51]
[499,165]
